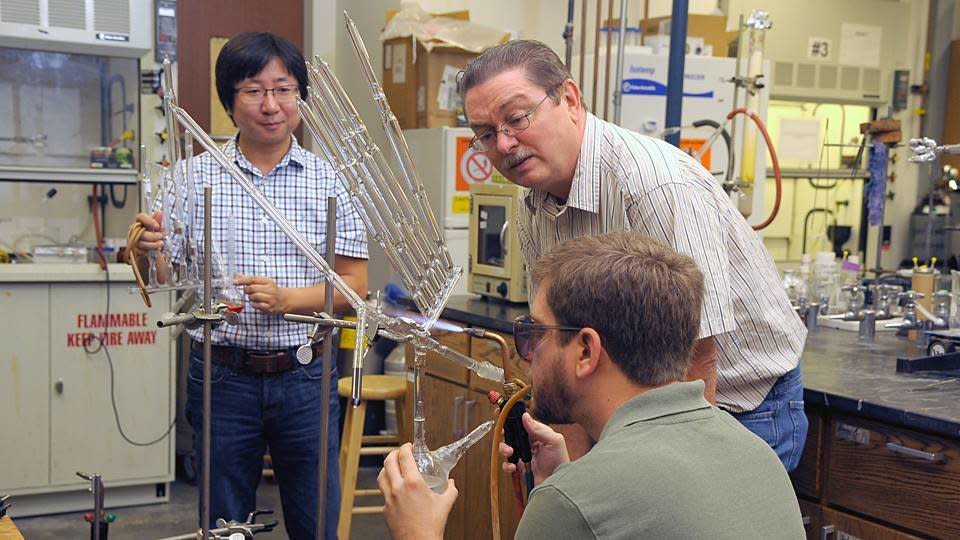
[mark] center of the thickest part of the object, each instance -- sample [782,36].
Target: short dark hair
[642,297]
[246,54]
[542,66]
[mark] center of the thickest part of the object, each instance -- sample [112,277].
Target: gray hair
[642,297]
[542,66]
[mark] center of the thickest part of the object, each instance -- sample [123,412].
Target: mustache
[511,160]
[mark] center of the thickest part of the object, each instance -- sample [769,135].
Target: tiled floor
[179,516]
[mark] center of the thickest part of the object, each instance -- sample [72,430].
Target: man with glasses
[586,177]
[262,396]
[610,337]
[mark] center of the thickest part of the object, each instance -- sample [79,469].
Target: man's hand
[264,294]
[412,509]
[152,237]
[548,448]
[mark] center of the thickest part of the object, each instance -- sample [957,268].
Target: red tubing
[773,158]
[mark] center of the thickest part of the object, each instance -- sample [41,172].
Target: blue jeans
[252,412]
[779,419]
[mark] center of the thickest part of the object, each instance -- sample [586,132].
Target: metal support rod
[330,256]
[736,87]
[583,42]
[621,45]
[96,487]
[207,358]
[596,58]
[606,70]
[928,235]
[678,51]
[568,36]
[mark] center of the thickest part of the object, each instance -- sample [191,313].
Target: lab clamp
[99,519]
[404,227]
[234,530]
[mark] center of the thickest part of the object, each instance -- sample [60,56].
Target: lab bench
[57,417]
[882,457]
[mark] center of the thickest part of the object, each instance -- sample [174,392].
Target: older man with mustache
[588,177]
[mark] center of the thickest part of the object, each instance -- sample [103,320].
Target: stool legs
[349,463]
[401,413]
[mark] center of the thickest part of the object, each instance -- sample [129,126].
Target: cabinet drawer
[807,477]
[901,476]
[440,366]
[836,525]
[484,349]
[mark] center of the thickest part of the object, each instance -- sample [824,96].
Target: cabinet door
[443,406]
[477,498]
[82,426]
[24,385]
[840,526]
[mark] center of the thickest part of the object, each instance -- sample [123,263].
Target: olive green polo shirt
[668,465]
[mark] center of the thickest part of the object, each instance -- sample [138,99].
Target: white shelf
[68,174]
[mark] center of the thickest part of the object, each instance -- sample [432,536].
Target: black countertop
[839,372]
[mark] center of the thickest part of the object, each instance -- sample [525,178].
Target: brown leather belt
[254,362]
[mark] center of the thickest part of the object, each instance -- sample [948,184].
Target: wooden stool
[352,445]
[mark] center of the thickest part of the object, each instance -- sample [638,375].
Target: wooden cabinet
[897,475]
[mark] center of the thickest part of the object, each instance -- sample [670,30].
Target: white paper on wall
[799,139]
[860,45]
[399,63]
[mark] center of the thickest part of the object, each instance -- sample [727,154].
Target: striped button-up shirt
[629,182]
[298,186]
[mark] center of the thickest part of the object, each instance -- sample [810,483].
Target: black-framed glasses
[487,139]
[527,334]
[252,95]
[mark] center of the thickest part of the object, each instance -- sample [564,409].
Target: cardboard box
[712,28]
[421,85]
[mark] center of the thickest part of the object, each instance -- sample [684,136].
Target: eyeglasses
[252,95]
[487,139]
[528,334]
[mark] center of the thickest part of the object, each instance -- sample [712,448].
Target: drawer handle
[826,531]
[458,427]
[920,454]
[806,521]
[467,423]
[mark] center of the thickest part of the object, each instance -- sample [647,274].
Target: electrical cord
[101,346]
[118,203]
[728,176]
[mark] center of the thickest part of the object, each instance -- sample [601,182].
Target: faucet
[855,299]
[909,311]
[941,307]
[808,313]
[883,294]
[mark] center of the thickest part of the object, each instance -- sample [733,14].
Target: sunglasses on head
[527,334]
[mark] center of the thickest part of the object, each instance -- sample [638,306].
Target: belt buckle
[261,358]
